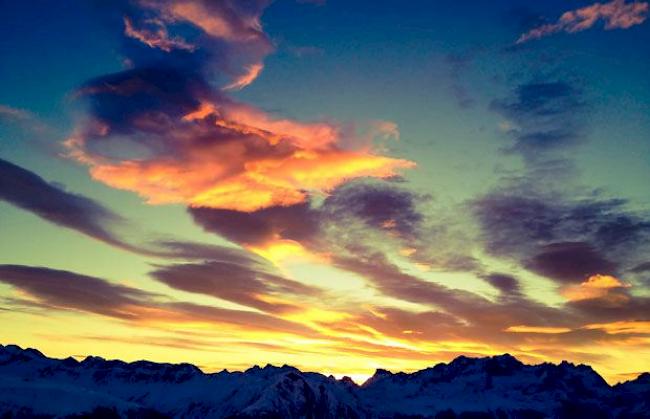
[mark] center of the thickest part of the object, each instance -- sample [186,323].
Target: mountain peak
[472,386]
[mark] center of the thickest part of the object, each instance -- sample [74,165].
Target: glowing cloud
[230,156]
[617,14]
[596,286]
[622,327]
[164,131]
[538,329]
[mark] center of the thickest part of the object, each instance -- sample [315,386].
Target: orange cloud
[596,286]
[617,14]
[622,327]
[233,156]
[538,329]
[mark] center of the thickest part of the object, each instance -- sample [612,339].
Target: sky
[339,186]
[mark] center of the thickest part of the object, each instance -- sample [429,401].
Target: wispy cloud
[156,37]
[29,191]
[70,291]
[247,285]
[542,117]
[252,71]
[565,239]
[617,14]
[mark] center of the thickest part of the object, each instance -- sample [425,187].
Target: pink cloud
[617,14]
[157,37]
[252,71]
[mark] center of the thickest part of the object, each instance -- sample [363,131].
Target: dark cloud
[643,267]
[30,192]
[469,307]
[379,205]
[69,291]
[615,306]
[128,100]
[458,64]
[295,222]
[506,284]
[562,238]
[380,214]
[175,249]
[544,116]
[389,218]
[569,262]
[240,284]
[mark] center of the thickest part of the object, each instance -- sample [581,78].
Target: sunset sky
[336,185]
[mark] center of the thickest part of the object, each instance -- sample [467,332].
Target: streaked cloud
[26,190]
[617,14]
[596,286]
[11,113]
[248,285]
[536,329]
[567,239]
[156,36]
[68,291]
[252,71]
[542,117]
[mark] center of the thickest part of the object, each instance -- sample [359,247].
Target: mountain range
[33,385]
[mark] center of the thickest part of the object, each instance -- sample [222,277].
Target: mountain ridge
[33,385]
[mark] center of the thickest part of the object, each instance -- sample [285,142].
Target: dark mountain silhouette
[32,385]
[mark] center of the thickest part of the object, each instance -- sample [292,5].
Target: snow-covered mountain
[32,385]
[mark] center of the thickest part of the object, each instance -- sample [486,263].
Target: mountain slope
[32,385]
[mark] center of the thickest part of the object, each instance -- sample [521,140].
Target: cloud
[156,37]
[224,38]
[617,14]
[643,267]
[541,117]
[379,206]
[164,130]
[252,71]
[14,114]
[565,239]
[457,68]
[31,127]
[247,285]
[29,191]
[506,284]
[196,147]
[377,213]
[596,286]
[68,291]
[569,261]
[535,329]
[297,222]
[229,20]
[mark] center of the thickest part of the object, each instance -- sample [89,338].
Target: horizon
[351,186]
[364,379]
